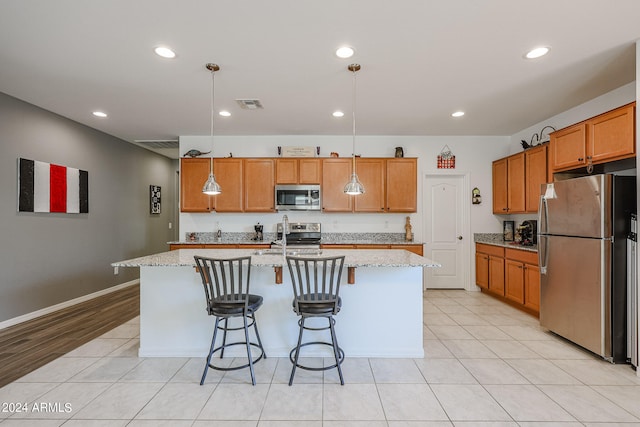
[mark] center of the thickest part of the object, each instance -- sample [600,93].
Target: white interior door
[445,230]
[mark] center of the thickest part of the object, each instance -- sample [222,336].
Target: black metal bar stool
[316,288]
[226,287]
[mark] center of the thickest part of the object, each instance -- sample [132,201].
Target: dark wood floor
[32,344]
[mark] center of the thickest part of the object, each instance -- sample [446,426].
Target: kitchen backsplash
[238,237]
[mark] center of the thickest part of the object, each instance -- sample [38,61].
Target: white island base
[381,313]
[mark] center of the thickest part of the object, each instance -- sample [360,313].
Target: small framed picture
[508,231]
[154,199]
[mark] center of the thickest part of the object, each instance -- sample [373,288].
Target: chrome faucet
[285,230]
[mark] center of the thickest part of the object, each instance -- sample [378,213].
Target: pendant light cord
[213,91]
[353,114]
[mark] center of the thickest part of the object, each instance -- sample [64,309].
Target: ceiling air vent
[250,104]
[158,143]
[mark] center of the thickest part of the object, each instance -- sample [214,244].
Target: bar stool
[226,287]
[316,288]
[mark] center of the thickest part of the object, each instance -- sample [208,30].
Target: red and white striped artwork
[46,187]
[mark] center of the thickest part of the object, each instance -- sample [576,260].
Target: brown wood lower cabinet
[490,268]
[522,277]
[510,274]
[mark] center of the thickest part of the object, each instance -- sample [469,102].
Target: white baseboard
[48,310]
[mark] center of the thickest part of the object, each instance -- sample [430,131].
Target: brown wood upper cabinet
[390,185]
[509,185]
[402,185]
[229,174]
[372,176]
[193,174]
[604,138]
[248,184]
[259,189]
[298,171]
[536,174]
[517,180]
[335,174]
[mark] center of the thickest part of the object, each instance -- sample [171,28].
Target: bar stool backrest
[225,281]
[316,282]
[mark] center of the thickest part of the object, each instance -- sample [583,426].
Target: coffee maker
[258,228]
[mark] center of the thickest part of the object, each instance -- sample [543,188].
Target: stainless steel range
[301,236]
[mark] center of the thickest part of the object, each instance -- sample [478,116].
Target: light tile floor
[485,364]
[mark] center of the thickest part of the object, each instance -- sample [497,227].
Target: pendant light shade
[354,186]
[211,187]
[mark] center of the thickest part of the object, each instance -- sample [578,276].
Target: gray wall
[46,259]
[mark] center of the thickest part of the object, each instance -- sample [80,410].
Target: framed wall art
[154,199]
[50,188]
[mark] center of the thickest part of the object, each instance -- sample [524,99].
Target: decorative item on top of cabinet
[399,152]
[195,153]
[539,138]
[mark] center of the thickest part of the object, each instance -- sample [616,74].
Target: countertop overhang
[353,258]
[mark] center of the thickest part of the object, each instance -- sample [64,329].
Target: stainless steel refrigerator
[582,230]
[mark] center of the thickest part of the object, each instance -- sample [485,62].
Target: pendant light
[211,187]
[354,186]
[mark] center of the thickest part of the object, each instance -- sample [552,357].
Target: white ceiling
[421,60]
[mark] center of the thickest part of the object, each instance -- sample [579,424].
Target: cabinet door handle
[580,159]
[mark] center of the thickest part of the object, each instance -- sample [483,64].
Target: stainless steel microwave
[297,197]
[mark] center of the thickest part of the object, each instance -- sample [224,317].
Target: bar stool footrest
[259,357]
[310,368]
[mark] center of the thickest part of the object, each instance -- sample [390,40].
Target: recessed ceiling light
[338,114]
[100,114]
[537,52]
[165,52]
[457,114]
[345,52]
[224,113]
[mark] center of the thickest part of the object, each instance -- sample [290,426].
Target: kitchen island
[381,312]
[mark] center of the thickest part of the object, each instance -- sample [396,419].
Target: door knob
[459,237]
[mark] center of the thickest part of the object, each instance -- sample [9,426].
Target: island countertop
[274,258]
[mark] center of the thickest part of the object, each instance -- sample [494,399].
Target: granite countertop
[495,239]
[265,258]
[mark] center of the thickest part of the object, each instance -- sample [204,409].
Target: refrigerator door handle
[543,257]
[543,212]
